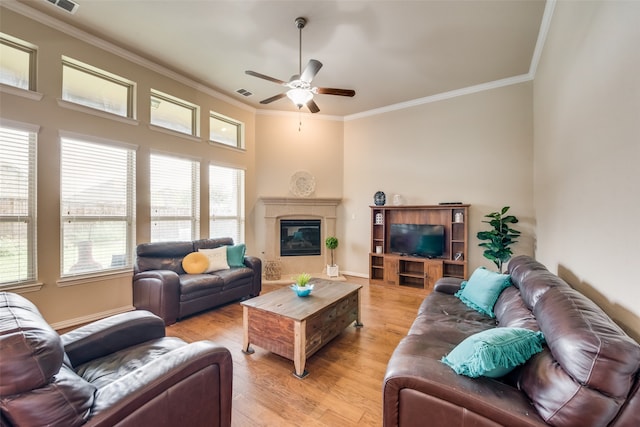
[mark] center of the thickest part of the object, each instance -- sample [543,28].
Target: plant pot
[302,291]
[333,271]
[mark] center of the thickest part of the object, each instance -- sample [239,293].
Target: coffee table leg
[299,346]
[358,319]
[246,348]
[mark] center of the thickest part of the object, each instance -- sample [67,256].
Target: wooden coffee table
[296,327]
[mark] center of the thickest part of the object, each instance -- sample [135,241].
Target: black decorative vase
[379,198]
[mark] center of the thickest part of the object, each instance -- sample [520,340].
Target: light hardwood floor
[344,385]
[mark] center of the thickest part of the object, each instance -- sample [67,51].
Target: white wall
[474,149]
[587,152]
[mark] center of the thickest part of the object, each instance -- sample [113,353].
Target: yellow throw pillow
[195,263]
[217,259]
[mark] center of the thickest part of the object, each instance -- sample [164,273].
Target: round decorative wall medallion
[302,184]
[379,198]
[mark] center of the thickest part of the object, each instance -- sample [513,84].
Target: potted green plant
[331,243]
[500,238]
[302,287]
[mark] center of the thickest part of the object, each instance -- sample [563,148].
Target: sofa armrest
[255,264]
[448,285]
[109,335]
[158,291]
[191,385]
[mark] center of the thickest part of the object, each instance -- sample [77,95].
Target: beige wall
[87,300]
[587,152]
[475,149]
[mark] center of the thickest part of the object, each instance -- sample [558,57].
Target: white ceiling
[389,52]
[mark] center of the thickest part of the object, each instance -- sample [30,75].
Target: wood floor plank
[344,386]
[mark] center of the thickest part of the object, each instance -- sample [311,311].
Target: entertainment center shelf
[390,267]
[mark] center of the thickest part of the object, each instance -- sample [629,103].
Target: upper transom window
[89,86]
[17,63]
[225,130]
[174,113]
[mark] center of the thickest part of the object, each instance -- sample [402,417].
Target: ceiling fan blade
[312,106]
[273,98]
[262,76]
[310,70]
[331,91]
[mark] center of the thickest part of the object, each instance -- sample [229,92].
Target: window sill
[95,277]
[24,93]
[23,289]
[227,146]
[175,133]
[94,112]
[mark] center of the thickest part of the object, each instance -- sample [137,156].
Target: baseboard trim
[355,274]
[77,321]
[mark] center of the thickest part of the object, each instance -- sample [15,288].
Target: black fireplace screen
[299,237]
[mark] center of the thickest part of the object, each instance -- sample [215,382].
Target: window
[225,130]
[17,63]
[226,201]
[17,205]
[175,198]
[97,206]
[173,113]
[89,86]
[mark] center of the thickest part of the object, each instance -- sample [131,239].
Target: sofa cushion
[483,289]
[195,263]
[197,283]
[590,365]
[233,275]
[511,311]
[235,255]
[494,352]
[65,401]
[217,258]
[31,351]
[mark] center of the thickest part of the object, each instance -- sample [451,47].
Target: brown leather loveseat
[161,285]
[586,375]
[121,370]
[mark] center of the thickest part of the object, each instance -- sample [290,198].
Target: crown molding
[72,31]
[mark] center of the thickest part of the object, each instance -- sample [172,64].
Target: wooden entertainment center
[406,270]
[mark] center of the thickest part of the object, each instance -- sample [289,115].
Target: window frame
[194,108]
[194,218]
[90,70]
[130,209]
[236,123]
[29,48]
[32,211]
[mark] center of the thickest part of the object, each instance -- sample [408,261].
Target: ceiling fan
[300,90]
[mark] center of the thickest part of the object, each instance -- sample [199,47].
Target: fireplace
[299,237]
[278,209]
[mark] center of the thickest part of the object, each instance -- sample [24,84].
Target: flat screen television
[421,240]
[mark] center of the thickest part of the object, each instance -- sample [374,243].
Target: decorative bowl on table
[302,291]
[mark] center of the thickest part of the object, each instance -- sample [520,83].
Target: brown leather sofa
[586,375]
[121,370]
[161,286]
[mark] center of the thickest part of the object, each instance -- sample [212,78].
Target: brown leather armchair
[121,370]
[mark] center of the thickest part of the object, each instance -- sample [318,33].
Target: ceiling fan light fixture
[299,97]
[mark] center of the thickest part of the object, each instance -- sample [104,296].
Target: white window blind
[97,206]
[175,198]
[226,203]
[17,206]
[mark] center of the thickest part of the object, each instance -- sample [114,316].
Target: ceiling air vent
[67,5]
[244,92]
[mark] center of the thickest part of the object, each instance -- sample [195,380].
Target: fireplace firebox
[299,237]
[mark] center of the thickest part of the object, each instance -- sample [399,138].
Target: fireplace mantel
[277,208]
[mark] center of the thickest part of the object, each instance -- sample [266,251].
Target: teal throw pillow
[235,255]
[483,289]
[494,352]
